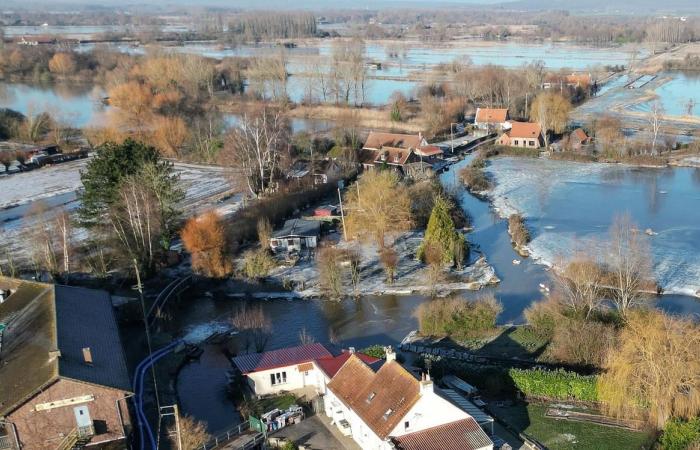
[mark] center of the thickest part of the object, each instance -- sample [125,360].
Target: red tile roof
[257,362]
[524,130]
[578,135]
[463,434]
[393,156]
[380,399]
[429,150]
[331,366]
[376,141]
[491,115]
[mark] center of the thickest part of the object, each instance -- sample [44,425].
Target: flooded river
[387,319]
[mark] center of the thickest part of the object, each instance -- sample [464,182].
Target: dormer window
[396,158]
[388,413]
[371,396]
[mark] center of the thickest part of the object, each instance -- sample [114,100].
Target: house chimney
[351,350]
[426,384]
[53,354]
[87,356]
[390,353]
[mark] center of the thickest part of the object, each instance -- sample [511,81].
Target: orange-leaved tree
[205,238]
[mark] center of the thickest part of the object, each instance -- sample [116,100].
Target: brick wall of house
[44,430]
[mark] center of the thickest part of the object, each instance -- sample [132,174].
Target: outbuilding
[296,235]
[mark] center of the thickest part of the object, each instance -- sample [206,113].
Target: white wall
[261,384]
[429,411]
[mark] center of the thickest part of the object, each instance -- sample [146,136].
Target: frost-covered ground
[570,205]
[206,187]
[410,273]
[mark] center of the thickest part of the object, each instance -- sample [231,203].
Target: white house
[294,368]
[390,409]
[491,118]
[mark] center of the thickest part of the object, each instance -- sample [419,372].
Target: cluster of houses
[377,402]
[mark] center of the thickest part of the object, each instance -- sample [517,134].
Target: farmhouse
[491,118]
[62,369]
[394,150]
[389,408]
[522,134]
[288,369]
[377,402]
[296,235]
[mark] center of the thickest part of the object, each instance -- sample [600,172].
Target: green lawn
[565,435]
[269,403]
[519,342]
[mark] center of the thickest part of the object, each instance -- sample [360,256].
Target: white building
[380,404]
[391,409]
[294,368]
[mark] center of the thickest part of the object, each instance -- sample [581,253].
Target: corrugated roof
[491,115]
[429,150]
[299,227]
[463,434]
[42,318]
[381,399]
[465,405]
[377,141]
[256,362]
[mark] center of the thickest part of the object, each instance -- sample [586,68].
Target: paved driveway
[316,432]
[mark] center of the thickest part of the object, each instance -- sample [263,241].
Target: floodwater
[680,96]
[570,208]
[77,105]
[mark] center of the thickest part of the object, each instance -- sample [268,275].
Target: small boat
[650,232]
[516,262]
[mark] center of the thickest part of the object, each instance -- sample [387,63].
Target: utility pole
[342,214]
[139,287]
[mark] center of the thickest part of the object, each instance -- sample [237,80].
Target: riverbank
[410,274]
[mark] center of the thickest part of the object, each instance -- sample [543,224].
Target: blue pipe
[139,373]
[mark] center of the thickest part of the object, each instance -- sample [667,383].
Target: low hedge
[555,384]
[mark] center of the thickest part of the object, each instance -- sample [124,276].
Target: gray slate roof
[298,227]
[42,318]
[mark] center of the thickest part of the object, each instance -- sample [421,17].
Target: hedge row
[555,384]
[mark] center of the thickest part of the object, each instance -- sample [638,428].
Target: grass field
[567,435]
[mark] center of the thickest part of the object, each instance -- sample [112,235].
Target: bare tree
[253,149]
[579,283]
[255,326]
[551,111]
[655,117]
[305,338]
[390,261]
[629,264]
[193,434]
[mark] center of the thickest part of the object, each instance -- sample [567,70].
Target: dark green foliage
[441,232]
[111,165]
[555,384]
[10,121]
[680,434]
[375,351]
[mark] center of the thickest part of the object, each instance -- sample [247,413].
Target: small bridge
[239,437]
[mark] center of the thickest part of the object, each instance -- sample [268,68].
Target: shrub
[681,435]
[257,263]
[518,231]
[458,318]
[205,238]
[555,384]
[582,343]
[475,179]
[390,261]
[375,351]
[330,275]
[543,317]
